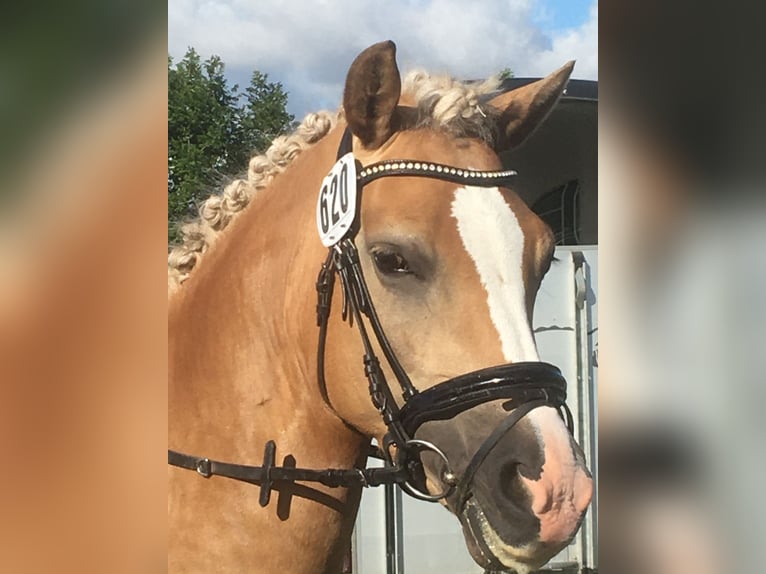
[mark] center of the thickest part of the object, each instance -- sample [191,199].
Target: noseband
[525,386]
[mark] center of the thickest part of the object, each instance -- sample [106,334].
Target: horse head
[453,268]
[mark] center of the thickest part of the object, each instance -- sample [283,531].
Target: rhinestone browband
[395,167]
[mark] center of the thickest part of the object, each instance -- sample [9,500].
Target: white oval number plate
[336,207]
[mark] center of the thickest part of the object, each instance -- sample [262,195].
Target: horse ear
[373,86]
[525,108]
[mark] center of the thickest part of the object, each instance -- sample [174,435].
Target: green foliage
[506,73]
[213,130]
[265,115]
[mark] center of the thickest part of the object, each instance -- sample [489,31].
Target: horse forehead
[422,205]
[501,214]
[434,145]
[423,199]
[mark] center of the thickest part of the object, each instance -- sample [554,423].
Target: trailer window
[560,209]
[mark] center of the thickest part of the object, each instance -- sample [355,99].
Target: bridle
[525,386]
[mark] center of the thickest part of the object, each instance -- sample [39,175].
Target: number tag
[336,207]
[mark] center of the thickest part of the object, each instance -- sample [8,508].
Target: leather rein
[525,386]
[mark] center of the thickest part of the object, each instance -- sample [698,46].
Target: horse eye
[390,262]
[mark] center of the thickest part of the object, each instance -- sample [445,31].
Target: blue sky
[309,46]
[556,15]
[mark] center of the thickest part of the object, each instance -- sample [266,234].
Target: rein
[525,386]
[266,474]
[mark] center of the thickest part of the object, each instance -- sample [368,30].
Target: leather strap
[266,474]
[490,443]
[517,382]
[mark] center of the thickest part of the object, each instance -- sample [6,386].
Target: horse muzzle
[497,445]
[504,532]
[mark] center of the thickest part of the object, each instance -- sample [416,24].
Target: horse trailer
[557,177]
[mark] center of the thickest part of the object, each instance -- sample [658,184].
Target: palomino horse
[438,264]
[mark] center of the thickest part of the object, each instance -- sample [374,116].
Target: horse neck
[242,344]
[242,329]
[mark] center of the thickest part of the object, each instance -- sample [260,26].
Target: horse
[401,197]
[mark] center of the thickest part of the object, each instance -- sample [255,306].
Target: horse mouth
[489,550]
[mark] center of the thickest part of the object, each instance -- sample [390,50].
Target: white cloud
[309,46]
[579,44]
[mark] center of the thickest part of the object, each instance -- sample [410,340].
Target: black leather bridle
[525,386]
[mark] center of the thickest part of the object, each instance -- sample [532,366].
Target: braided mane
[441,101]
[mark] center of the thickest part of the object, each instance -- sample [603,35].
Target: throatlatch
[526,386]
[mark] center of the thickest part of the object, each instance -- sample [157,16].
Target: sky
[308,46]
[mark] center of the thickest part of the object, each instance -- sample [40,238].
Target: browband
[400,167]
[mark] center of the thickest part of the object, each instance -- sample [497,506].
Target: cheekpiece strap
[346,144]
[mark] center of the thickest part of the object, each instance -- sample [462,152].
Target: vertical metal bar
[586,399]
[390,530]
[394,530]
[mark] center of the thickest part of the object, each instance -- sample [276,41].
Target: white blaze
[493,238]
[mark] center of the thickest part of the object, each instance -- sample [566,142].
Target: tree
[264,114]
[505,74]
[213,130]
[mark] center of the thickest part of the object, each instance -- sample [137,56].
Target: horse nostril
[511,485]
